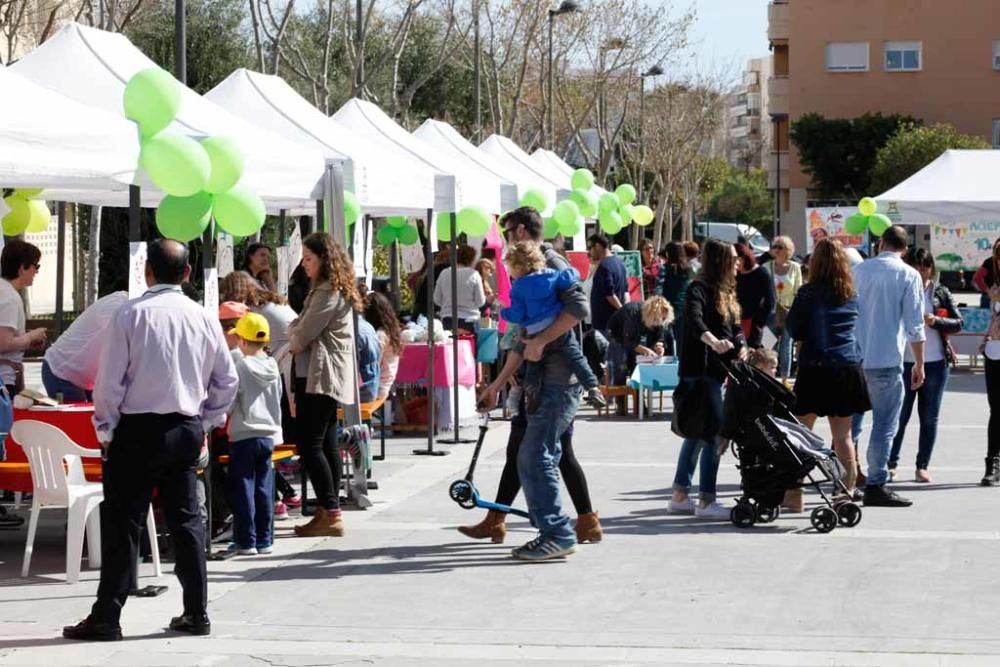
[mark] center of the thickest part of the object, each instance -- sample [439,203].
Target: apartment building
[937,61]
[749,123]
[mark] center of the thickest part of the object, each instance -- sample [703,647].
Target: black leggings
[993,395]
[569,469]
[316,420]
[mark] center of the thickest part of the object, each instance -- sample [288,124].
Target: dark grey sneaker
[544,548]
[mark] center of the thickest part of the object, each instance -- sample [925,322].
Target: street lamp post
[655,70]
[477,68]
[565,7]
[613,44]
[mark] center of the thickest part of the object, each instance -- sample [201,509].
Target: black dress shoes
[192,624]
[878,496]
[94,631]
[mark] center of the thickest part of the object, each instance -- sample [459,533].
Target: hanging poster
[211,297]
[136,269]
[829,223]
[962,246]
[224,259]
[284,270]
[633,271]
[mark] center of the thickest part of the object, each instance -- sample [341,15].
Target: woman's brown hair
[830,270]
[239,286]
[335,267]
[380,314]
[717,261]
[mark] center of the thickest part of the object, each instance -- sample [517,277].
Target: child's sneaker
[596,398]
[280,511]
[252,551]
[263,551]
[292,502]
[544,548]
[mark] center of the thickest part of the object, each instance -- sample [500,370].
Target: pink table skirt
[413,364]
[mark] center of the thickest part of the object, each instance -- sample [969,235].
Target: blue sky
[728,31]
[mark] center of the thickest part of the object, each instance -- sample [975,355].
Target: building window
[996,133]
[902,56]
[996,54]
[847,57]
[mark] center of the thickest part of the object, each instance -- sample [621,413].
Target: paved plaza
[906,587]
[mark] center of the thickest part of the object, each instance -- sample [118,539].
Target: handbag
[18,374]
[697,408]
[780,317]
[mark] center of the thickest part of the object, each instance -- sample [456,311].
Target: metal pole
[61,264]
[359,35]
[551,130]
[319,223]
[454,326]
[134,211]
[477,68]
[394,275]
[642,146]
[180,41]
[777,176]
[429,279]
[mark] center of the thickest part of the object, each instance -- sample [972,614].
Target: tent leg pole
[456,440]
[60,265]
[429,279]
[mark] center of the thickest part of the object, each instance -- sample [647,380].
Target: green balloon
[856,224]
[879,223]
[550,228]
[152,99]
[444,227]
[565,212]
[607,203]
[625,193]
[386,235]
[582,179]
[474,221]
[184,218]
[408,235]
[240,211]
[396,220]
[535,199]
[227,163]
[28,193]
[626,213]
[585,201]
[573,228]
[176,164]
[19,216]
[40,216]
[352,207]
[611,222]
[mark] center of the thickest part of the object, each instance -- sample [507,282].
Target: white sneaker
[712,511]
[685,506]
[252,551]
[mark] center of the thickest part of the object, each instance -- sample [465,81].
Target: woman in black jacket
[940,319]
[711,327]
[755,292]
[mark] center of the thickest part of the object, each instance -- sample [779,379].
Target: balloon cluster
[867,218]
[27,213]
[471,220]
[200,178]
[398,229]
[616,211]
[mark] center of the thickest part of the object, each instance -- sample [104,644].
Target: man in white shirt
[166,378]
[70,365]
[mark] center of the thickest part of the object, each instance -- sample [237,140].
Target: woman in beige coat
[322,341]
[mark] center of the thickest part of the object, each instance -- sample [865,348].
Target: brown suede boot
[494,526]
[588,528]
[324,524]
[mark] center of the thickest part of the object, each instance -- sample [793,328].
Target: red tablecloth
[74,422]
[413,364]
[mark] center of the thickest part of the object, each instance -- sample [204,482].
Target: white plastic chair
[58,480]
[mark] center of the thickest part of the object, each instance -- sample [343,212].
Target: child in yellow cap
[254,427]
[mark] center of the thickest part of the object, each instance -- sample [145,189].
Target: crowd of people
[172,383]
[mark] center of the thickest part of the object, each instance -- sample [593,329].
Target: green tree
[913,148]
[742,198]
[839,153]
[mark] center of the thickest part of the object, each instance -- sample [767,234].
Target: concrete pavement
[906,587]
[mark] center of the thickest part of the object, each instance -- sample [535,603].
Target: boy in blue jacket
[534,305]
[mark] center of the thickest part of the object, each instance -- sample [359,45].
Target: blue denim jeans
[885,388]
[694,452]
[539,456]
[55,385]
[857,426]
[250,484]
[928,399]
[617,363]
[784,347]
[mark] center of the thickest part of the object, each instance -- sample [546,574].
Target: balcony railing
[779,24]
[777,88]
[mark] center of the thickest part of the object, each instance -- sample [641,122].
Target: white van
[729,232]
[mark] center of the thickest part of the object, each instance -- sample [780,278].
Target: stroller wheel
[743,515]
[849,514]
[461,492]
[823,519]
[767,514]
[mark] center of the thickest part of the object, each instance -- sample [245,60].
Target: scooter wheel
[461,492]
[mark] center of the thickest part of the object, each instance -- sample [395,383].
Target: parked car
[729,232]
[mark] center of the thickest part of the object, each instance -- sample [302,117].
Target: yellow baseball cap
[252,327]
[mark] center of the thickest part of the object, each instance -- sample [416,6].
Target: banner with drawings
[829,223]
[962,246]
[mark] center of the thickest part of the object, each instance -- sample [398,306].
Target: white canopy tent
[453,188]
[386,183]
[959,186]
[92,67]
[447,140]
[50,141]
[557,165]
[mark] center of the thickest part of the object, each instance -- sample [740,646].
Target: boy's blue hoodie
[534,298]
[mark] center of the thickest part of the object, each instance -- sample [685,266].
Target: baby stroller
[777,453]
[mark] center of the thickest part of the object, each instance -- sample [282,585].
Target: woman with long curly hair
[711,327]
[382,317]
[830,382]
[322,341]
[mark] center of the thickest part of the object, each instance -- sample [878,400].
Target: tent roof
[50,141]
[959,186]
[386,183]
[453,188]
[509,157]
[447,139]
[92,66]
[557,165]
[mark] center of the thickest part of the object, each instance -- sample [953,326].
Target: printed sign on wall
[829,223]
[963,246]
